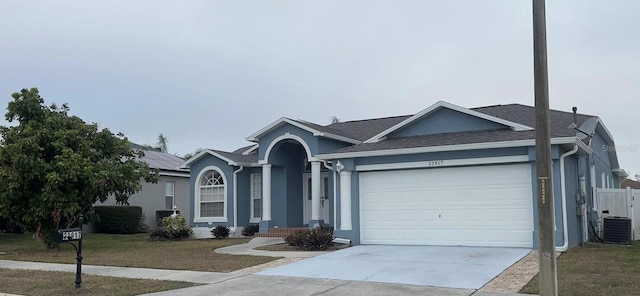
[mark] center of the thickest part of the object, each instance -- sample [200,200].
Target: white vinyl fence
[620,203]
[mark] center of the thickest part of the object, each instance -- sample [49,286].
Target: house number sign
[433,163]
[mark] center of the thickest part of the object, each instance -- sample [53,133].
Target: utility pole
[546,219]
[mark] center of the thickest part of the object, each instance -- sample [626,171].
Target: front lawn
[596,270]
[36,282]
[134,250]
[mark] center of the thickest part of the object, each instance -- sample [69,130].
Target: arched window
[210,196]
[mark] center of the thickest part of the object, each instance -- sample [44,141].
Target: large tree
[54,167]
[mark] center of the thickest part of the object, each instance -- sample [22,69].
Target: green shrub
[311,240]
[175,227]
[220,231]
[118,219]
[160,214]
[250,229]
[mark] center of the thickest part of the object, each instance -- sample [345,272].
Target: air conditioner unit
[617,230]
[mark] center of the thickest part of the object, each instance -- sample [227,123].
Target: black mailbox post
[70,235]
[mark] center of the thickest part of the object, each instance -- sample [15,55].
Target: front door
[325,204]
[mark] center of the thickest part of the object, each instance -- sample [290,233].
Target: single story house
[447,175]
[172,189]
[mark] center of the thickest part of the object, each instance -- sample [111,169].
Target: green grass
[596,269]
[133,250]
[35,282]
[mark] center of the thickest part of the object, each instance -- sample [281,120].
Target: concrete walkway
[248,249]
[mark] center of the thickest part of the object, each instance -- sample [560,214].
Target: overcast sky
[209,73]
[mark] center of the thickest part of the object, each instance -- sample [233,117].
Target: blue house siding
[227,170]
[464,154]
[329,145]
[572,189]
[244,197]
[445,120]
[268,138]
[602,161]
[354,233]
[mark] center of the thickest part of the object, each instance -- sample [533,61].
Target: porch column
[315,193]
[266,192]
[345,200]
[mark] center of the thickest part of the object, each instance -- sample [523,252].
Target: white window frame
[173,194]
[196,215]
[252,218]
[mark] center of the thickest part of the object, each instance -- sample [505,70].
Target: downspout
[324,162]
[565,226]
[235,197]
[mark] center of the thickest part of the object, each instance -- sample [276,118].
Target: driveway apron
[437,266]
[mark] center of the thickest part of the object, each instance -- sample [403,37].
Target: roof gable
[229,157]
[439,105]
[314,129]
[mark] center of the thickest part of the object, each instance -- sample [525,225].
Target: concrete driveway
[448,267]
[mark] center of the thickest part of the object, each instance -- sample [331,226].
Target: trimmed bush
[250,229]
[220,231]
[118,219]
[161,214]
[318,239]
[175,227]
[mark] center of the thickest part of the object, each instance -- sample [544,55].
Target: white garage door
[466,206]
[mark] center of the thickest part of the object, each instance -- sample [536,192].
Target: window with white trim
[169,195]
[256,198]
[212,195]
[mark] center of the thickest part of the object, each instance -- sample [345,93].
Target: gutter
[565,226]
[235,197]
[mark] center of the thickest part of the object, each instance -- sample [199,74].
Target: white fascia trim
[188,163]
[173,174]
[442,163]
[439,104]
[475,146]
[256,136]
[604,127]
[620,173]
[248,151]
[339,138]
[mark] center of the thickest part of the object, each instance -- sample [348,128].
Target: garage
[488,205]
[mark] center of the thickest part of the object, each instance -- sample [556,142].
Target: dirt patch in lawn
[596,269]
[35,282]
[134,250]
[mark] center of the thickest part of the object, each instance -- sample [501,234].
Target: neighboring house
[630,183]
[172,189]
[447,175]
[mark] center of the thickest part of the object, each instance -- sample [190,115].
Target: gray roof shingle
[238,157]
[521,114]
[362,130]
